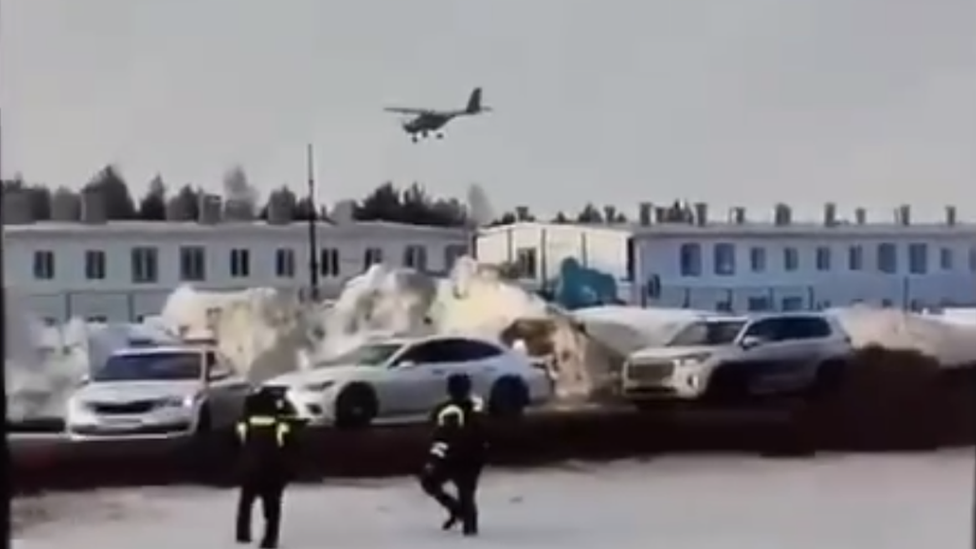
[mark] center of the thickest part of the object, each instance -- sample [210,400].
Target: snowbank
[44,364]
[949,343]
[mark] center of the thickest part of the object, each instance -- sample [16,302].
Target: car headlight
[319,387]
[178,402]
[691,359]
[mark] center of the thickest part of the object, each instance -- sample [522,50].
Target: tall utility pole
[5,476]
[313,246]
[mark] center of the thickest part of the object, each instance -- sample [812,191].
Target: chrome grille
[650,371]
[134,407]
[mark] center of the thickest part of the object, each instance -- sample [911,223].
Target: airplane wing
[402,110]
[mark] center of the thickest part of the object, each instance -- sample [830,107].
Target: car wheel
[508,399]
[355,407]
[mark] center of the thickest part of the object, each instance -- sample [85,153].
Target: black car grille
[650,371]
[134,407]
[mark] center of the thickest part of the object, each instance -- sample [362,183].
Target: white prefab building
[123,271]
[748,266]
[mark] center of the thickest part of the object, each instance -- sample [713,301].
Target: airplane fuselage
[427,122]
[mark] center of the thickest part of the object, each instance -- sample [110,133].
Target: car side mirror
[85,379]
[750,342]
[405,364]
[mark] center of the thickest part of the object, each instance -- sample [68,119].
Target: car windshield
[717,332]
[168,366]
[370,354]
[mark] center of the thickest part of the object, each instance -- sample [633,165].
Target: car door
[763,357]
[417,378]
[805,338]
[778,358]
[480,361]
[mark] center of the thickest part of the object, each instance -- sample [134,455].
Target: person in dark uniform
[457,454]
[265,435]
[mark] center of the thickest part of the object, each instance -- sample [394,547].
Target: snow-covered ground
[839,502]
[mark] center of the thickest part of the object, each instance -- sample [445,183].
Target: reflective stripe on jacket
[454,415]
[282,429]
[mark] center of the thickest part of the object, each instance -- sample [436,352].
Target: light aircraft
[423,122]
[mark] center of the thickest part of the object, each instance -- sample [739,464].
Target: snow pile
[950,343]
[260,331]
[44,364]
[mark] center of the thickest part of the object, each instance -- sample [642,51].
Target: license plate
[120,423]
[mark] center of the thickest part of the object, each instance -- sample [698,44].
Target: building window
[145,265]
[372,256]
[792,303]
[723,255]
[329,262]
[757,258]
[887,258]
[44,265]
[690,260]
[193,263]
[285,263]
[527,262]
[855,258]
[240,263]
[415,257]
[972,259]
[918,258]
[823,258]
[946,259]
[451,254]
[758,304]
[94,264]
[791,259]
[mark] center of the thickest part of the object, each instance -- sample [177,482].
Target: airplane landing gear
[425,134]
[413,138]
[440,136]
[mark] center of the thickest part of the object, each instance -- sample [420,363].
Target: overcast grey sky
[615,101]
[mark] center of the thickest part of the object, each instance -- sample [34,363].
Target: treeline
[242,201]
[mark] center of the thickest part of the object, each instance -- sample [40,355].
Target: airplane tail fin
[474,102]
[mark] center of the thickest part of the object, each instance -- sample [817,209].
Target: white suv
[739,359]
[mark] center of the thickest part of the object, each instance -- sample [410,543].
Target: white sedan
[403,377]
[156,392]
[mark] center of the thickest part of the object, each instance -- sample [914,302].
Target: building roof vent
[344,212]
[209,209]
[645,213]
[737,215]
[93,206]
[903,215]
[782,215]
[701,214]
[830,214]
[65,206]
[660,215]
[16,208]
[281,206]
[860,216]
[238,209]
[950,216]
